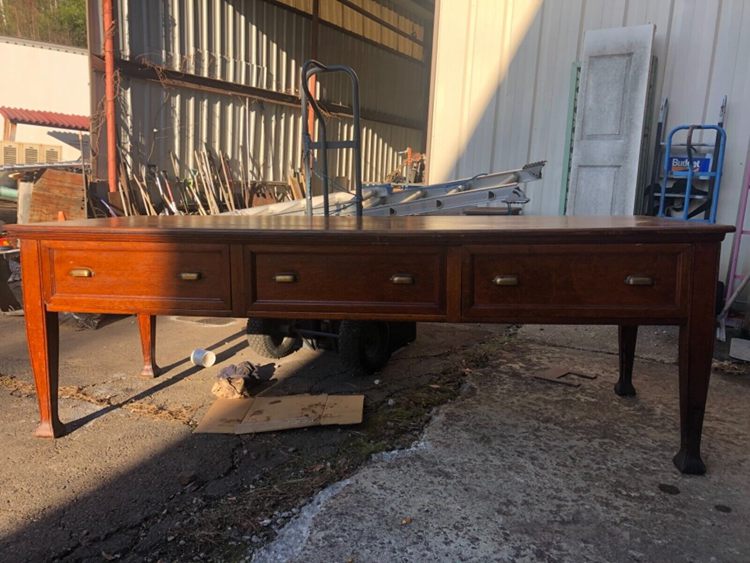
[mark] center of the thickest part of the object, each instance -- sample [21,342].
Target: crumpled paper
[232,381]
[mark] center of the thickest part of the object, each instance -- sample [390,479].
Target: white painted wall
[501,76]
[44,77]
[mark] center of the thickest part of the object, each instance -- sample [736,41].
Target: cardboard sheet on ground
[266,414]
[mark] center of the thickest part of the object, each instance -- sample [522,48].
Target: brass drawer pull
[285,278]
[639,280]
[190,276]
[402,279]
[82,273]
[505,280]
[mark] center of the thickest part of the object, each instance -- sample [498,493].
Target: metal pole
[311,87]
[306,141]
[357,144]
[312,83]
[109,89]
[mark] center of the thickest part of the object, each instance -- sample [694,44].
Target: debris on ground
[83,321]
[202,358]
[233,380]
[730,367]
[558,375]
[268,414]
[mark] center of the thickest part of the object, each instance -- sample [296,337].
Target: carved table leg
[147,327]
[42,334]
[696,352]
[627,337]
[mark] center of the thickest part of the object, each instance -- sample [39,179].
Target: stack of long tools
[209,188]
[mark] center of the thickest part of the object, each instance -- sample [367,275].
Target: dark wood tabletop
[461,228]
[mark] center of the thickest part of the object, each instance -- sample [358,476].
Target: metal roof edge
[42,45]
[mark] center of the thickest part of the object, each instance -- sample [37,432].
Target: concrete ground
[523,469]
[516,468]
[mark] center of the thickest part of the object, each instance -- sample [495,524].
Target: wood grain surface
[597,270]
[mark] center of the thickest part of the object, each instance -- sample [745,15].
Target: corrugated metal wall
[501,76]
[389,83]
[156,122]
[245,42]
[261,45]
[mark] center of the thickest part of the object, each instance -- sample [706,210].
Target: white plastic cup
[202,358]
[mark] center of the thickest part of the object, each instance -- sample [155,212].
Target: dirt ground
[131,481]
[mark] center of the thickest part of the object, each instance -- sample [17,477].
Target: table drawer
[360,280]
[575,282]
[158,277]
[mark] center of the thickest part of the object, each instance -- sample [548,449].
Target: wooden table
[626,271]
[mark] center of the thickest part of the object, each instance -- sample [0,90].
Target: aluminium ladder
[482,194]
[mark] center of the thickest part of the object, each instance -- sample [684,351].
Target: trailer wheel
[364,346]
[266,340]
[15,289]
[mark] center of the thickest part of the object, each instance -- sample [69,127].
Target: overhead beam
[369,15]
[177,79]
[345,31]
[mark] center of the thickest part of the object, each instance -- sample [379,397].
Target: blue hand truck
[694,173]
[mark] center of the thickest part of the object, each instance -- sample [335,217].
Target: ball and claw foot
[624,389]
[690,464]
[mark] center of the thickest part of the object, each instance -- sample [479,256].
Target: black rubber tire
[15,289]
[720,298]
[262,340]
[401,334]
[364,346]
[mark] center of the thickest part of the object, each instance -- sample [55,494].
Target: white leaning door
[609,121]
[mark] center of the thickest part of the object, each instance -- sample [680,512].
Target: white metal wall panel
[731,76]
[490,113]
[602,13]
[558,43]
[450,65]
[486,44]
[515,98]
